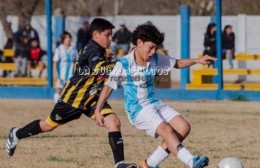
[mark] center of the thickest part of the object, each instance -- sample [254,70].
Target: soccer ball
[230,162]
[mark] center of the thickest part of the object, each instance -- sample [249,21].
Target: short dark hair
[146,33]
[99,24]
[63,36]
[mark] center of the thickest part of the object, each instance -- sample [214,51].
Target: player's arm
[111,84]
[55,65]
[189,62]
[104,95]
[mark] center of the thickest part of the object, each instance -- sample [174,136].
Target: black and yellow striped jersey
[90,71]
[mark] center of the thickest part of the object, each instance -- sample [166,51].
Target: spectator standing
[27,31]
[83,35]
[22,53]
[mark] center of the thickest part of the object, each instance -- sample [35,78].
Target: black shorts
[63,113]
[34,63]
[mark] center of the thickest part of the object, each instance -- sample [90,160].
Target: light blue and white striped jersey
[65,59]
[138,81]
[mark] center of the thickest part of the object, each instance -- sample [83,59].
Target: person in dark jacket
[121,39]
[210,40]
[228,44]
[83,36]
[27,31]
[21,56]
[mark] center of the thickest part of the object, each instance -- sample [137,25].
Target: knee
[113,124]
[166,130]
[45,127]
[116,124]
[186,128]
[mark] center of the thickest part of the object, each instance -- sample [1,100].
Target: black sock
[116,143]
[179,147]
[168,151]
[30,129]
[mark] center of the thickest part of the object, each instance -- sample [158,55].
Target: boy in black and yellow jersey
[81,94]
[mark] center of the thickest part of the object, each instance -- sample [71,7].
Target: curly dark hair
[146,33]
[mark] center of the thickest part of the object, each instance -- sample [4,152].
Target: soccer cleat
[200,162]
[124,164]
[12,141]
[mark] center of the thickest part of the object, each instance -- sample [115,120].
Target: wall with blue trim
[165,94]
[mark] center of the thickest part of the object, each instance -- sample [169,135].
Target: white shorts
[152,115]
[60,84]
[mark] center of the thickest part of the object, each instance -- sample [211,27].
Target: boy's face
[67,40]
[103,38]
[146,49]
[25,40]
[34,43]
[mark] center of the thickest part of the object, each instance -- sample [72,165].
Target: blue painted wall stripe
[164,94]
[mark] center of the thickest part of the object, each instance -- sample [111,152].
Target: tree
[3,18]
[24,11]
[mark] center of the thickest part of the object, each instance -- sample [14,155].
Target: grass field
[219,129]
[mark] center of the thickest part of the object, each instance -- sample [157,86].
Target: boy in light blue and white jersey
[136,73]
[63,62]
[138,81]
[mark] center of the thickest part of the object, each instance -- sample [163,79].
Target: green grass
[54,158]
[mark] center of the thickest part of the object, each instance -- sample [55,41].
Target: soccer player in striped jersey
[80,96]
[135,73]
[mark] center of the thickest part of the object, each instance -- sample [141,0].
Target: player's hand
[109,55]
[206,59]
[99,119]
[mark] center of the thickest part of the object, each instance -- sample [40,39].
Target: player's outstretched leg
[33,128]
[175,146]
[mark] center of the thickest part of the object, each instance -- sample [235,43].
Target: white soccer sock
[56,97]
[185,156]
[158,156]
